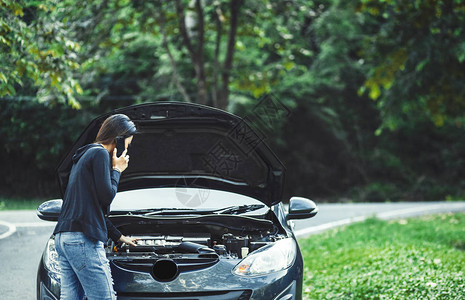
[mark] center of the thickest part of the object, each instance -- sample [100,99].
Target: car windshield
[155,201]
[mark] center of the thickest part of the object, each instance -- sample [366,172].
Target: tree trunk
[196,56]
[176,79]
[223,96]
[216,67]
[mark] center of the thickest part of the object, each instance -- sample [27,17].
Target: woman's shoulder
[96,151]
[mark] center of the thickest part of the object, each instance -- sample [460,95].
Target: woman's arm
[106,179]
[113,232]
[117,236]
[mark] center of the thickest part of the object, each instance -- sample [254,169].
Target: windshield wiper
[235,210]
[152,211]
[230,210]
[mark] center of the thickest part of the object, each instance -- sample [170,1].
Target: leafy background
[374,87]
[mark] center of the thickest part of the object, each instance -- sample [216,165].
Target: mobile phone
[120,145]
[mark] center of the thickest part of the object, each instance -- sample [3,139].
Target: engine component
[234,244]
[220,249]
[256,245]
[194,248]
[165,244]
[244,252]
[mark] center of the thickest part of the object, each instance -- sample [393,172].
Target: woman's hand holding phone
[122,161]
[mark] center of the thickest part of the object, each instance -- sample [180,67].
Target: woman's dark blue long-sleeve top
[92,185]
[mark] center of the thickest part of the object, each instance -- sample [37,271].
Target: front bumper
[214,283]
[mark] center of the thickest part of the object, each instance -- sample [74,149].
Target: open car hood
[191,145]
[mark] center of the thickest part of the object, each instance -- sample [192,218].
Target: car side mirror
[50,210]
[301,208]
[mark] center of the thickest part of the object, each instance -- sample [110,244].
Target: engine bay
[225,236]
[227,246]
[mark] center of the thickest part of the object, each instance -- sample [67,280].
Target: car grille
[185,262]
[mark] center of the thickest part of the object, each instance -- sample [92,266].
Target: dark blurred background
[375,89]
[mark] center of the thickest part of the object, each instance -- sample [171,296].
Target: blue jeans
[85,269]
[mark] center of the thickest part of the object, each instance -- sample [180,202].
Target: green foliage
[19,203]
[325,60]
[419,258]
[36,51]
[416,50]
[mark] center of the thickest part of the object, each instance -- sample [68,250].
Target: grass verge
[418,258]
[12,204]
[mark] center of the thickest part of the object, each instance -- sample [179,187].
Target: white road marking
[11,229]
[326,226]
[399,212]
[12,226]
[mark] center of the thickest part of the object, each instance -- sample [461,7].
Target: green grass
[11,204]
[420,258]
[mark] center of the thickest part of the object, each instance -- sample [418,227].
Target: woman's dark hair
[113,126]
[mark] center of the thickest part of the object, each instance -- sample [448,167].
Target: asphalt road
[23,236]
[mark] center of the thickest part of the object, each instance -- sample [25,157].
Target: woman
[83,226]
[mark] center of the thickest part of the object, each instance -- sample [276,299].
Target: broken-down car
[203,195]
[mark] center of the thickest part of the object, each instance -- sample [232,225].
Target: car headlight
[271,258]
[50,257]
